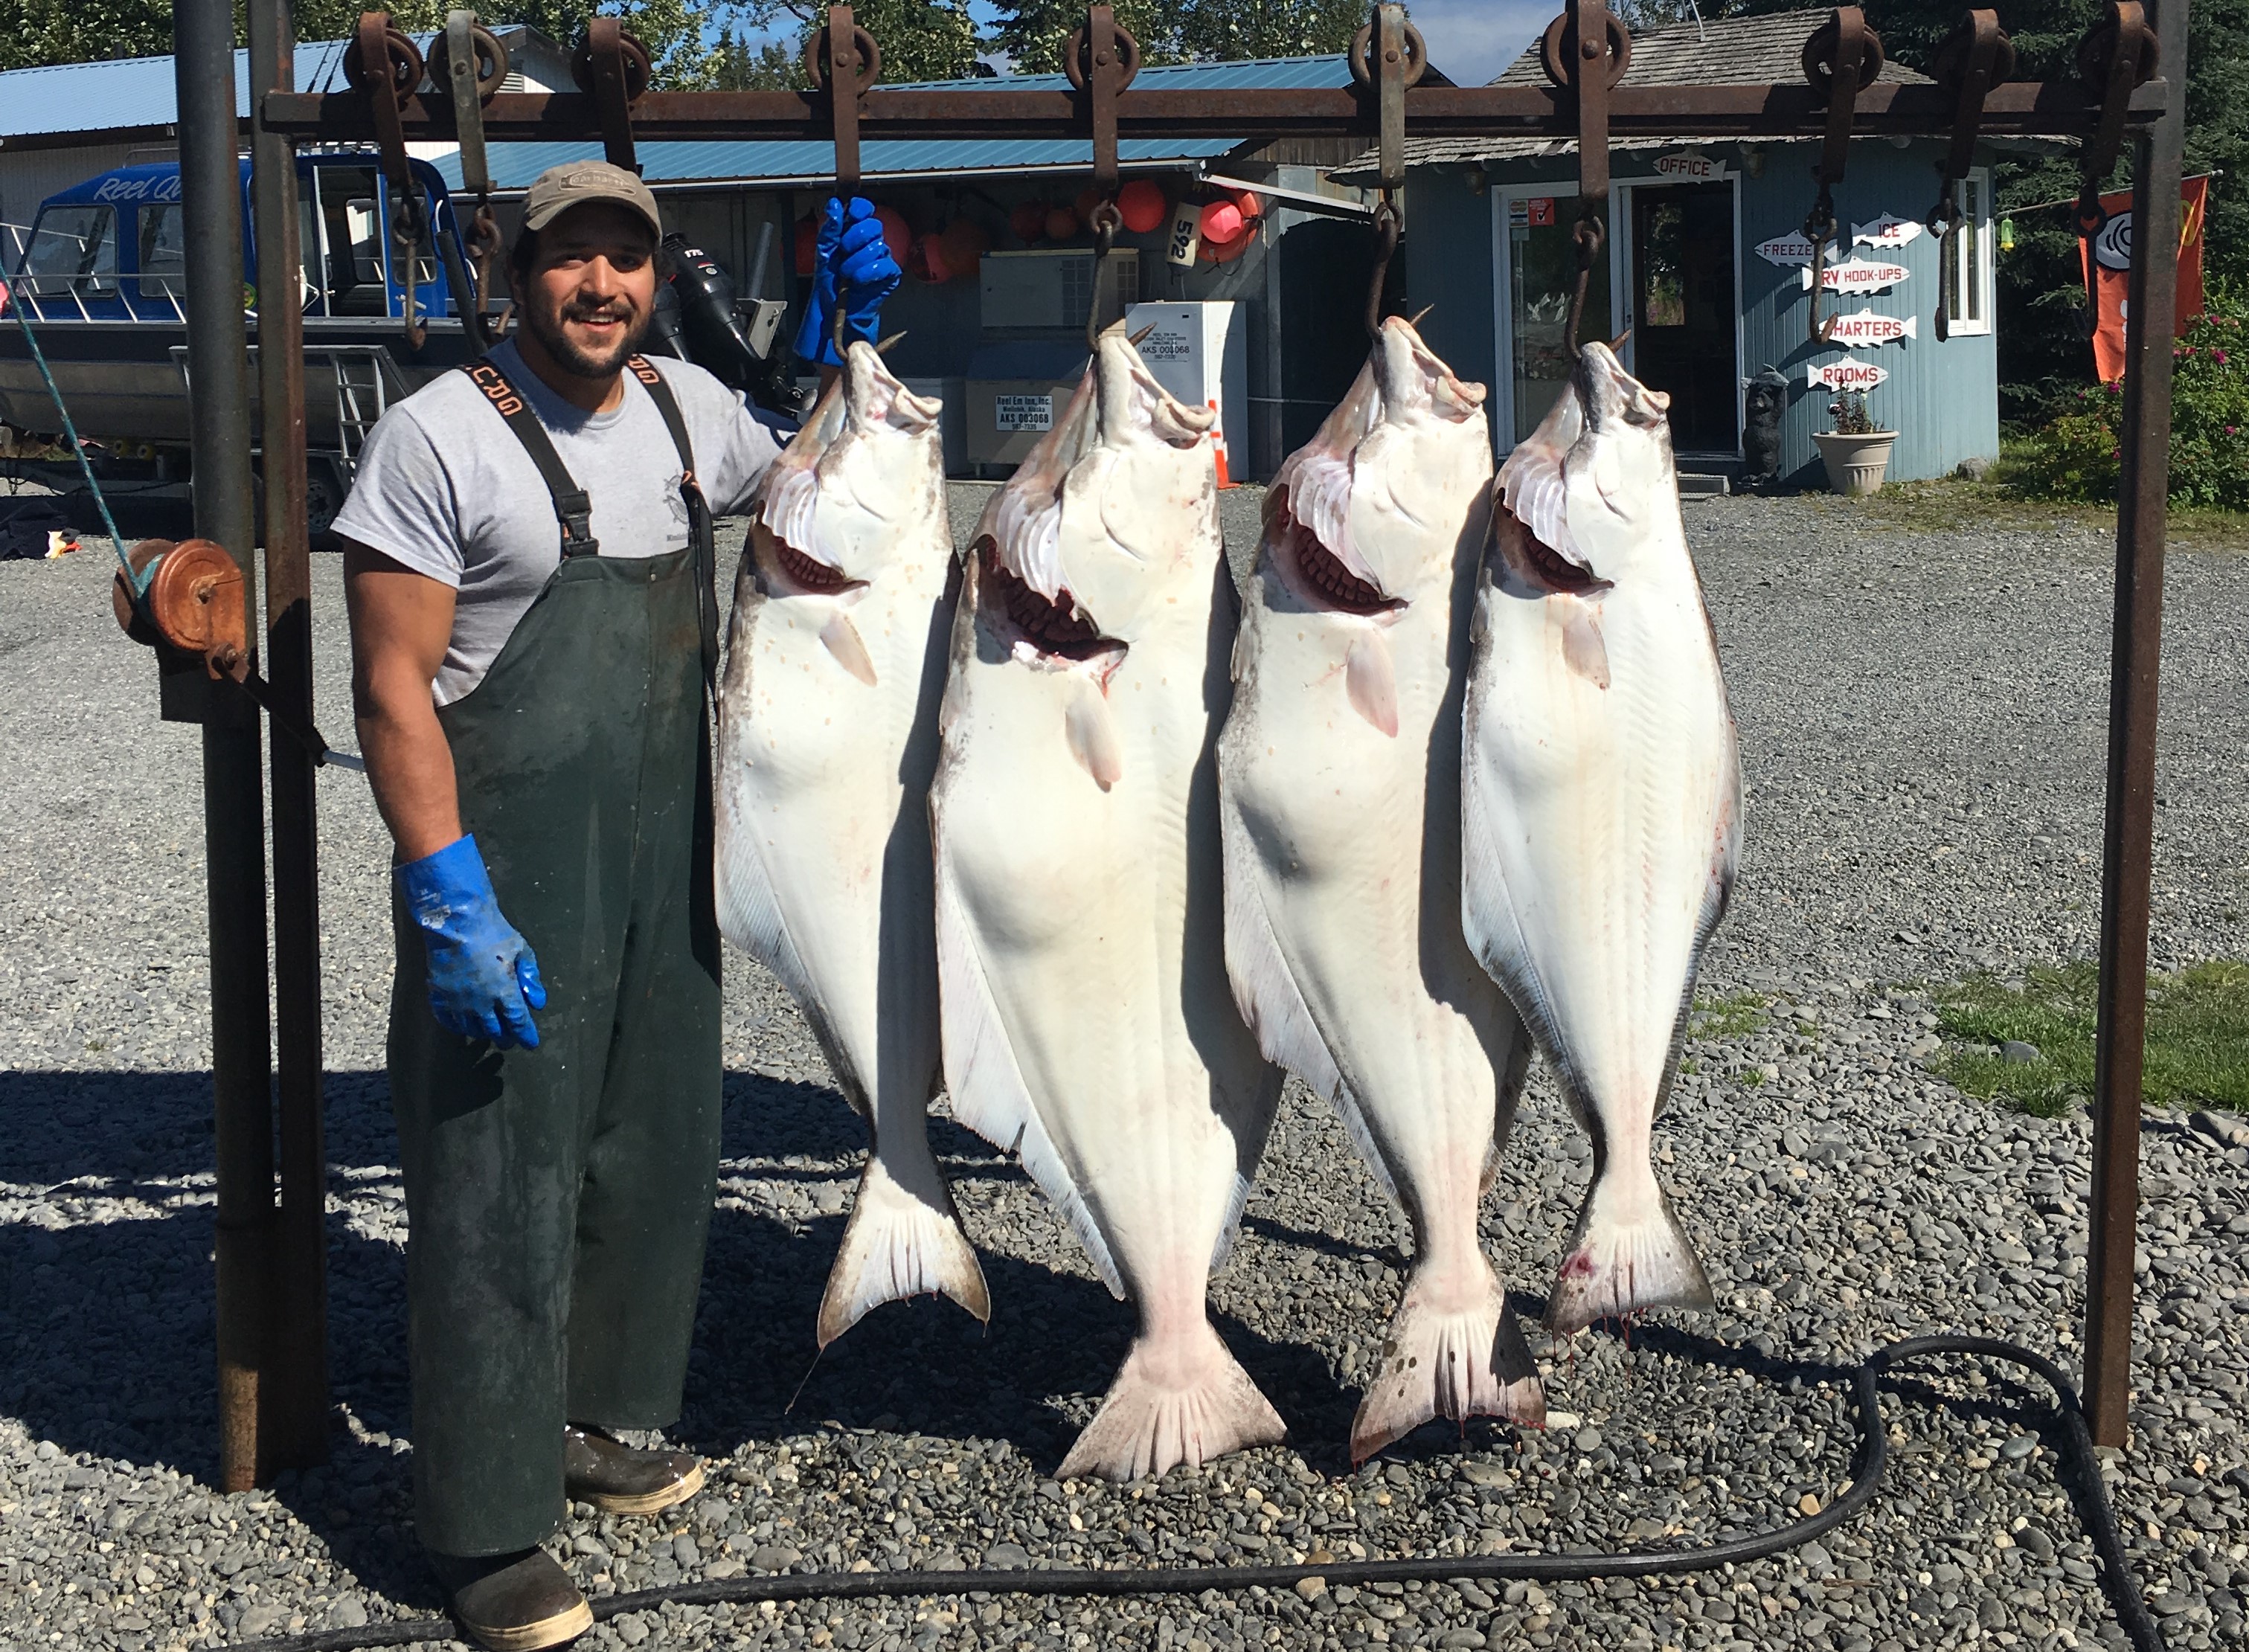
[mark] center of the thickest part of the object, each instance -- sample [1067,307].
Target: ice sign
[1890,231]
[1845,376]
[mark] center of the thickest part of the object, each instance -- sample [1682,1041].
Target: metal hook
[1387,223]
[1976,56]
[1106,223]
[1585,52]
[1841,57]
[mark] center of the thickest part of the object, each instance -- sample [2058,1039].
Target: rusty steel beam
[2019,108]
[294,1404]
[234,803]
[2128,855]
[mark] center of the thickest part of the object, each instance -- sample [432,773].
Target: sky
[1473,40]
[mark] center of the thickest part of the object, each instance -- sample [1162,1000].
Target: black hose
[2117,1582]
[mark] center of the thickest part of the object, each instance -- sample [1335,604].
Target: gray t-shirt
[446,488]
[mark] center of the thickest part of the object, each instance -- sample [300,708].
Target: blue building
[1708,269]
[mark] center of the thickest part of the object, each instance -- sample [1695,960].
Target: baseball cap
[575,182]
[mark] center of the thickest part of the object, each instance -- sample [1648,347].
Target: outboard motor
[1761,410]
[708,319]
[663,329]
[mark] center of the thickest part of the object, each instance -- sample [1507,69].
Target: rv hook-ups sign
[1857,275]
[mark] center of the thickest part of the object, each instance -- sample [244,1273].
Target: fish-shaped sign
[1865,329]
[1887,231]
[1845,376]
[1857,275]
[1785,250]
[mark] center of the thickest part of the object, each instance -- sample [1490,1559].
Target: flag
[2106,257]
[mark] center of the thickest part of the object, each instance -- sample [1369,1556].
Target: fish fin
[841,638]
[748,906]
[1628,1252]
[988,1092]
[1454,1350]
[1229,1227]
[1265,995]
[1371,680]
[1511,1075]
[1173,1405]
[1265,990]
[901,1242]
[1093,737]
[1584,648]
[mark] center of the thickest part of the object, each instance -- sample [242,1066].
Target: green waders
[559,1198]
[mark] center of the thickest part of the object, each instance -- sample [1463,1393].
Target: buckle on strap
[575,512]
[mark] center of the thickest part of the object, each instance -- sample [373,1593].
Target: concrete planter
[1855,464]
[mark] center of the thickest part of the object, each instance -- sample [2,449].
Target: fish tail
[1454,1350]
[1629,1252]
[1177,1400]
[904,1240]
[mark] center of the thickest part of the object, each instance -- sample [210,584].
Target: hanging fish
[1602,812]
[1080,945]
[827,741]
[1340,783]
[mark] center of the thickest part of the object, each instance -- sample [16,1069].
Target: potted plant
[1857,451]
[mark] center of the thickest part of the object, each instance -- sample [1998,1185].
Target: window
[1967,271]
[163,252]
[73,249]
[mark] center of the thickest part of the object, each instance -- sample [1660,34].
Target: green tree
[35,32]
[921,40]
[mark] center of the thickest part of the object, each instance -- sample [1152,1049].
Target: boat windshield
[73,250]
[163,263]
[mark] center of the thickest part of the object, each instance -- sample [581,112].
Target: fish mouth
[879,397]
[1054,626]
[1608,394]
[1538,565]
[790,572]
[1414,373]
[1317,574]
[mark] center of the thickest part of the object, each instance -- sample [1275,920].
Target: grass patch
[2198,1049]
[1734,1016]
[1999,502]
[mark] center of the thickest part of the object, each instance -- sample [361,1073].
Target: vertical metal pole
[2128,846]
[296,1399]
[234,823]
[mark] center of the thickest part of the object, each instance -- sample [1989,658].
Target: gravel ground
[1921,717]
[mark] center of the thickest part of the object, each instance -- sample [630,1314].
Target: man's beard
[567,353]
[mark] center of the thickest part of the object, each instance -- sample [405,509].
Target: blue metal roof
[124,93]
[514,165]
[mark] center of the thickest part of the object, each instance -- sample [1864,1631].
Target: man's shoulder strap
[667,405]
[698,516]
[573,508]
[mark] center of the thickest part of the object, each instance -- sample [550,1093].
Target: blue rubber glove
[483,983]
[852,268]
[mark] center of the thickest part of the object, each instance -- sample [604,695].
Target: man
[528,566]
